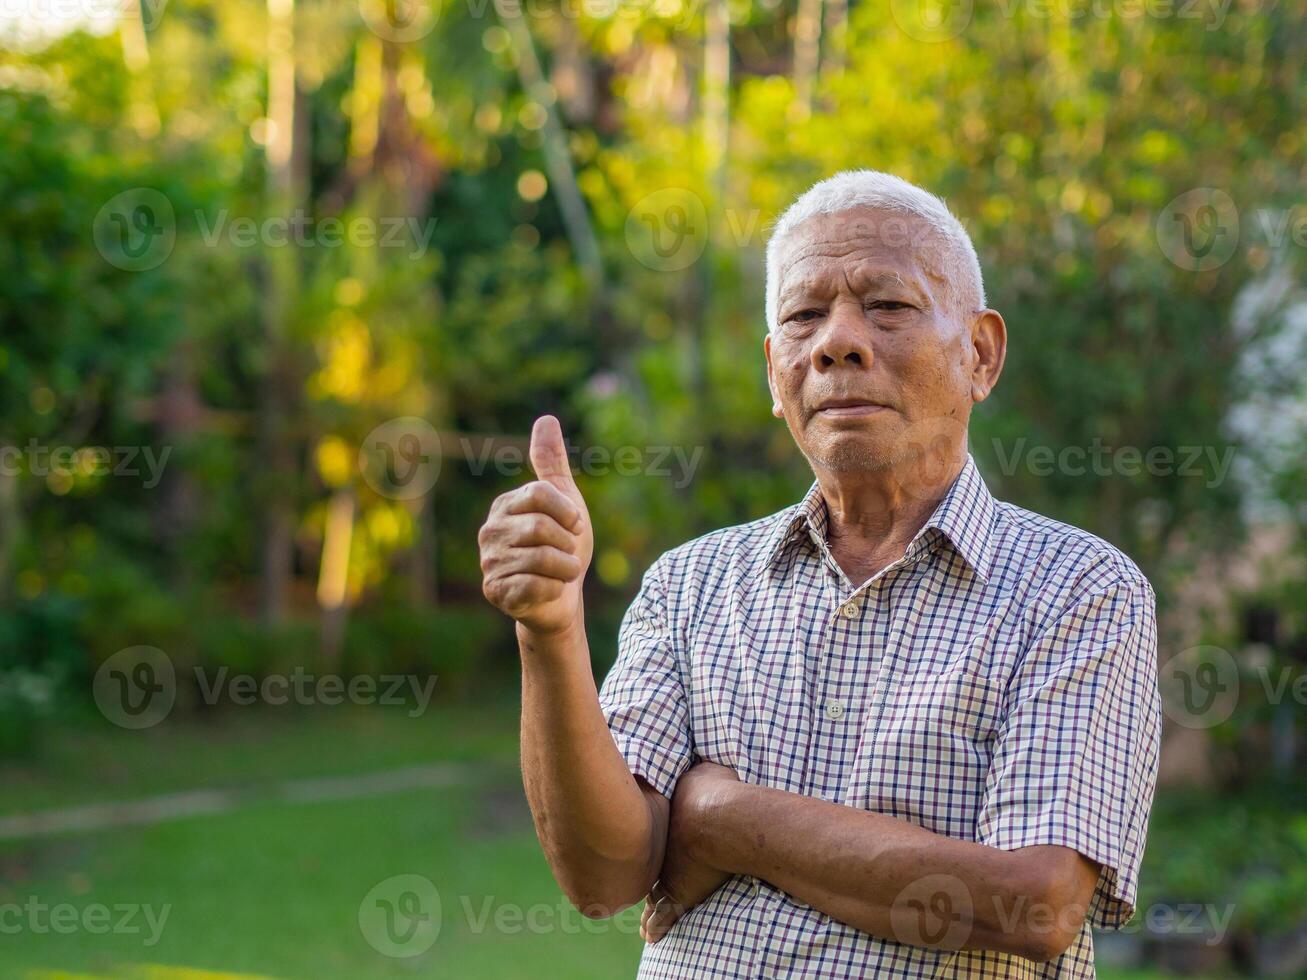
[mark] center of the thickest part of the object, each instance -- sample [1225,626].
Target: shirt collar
[965,517]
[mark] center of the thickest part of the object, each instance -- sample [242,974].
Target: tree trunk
[558,156]
[276,449]
[807,45]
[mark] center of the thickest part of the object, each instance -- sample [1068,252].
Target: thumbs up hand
[537,542]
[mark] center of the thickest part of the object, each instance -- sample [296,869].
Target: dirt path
[204,802]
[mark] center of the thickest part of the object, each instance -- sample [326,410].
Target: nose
[844,340]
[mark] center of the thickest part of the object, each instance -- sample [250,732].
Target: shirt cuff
[1113,904]
[657,765]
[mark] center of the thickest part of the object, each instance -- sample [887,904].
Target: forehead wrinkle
[859,278]
[838,235]
[833,248]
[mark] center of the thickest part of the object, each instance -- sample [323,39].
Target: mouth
[849,408]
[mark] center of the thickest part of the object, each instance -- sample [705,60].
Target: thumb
[549,455]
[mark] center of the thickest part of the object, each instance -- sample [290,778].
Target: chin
[852,455]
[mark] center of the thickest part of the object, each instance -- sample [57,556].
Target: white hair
[852,189]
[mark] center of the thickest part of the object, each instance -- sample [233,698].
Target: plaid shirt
[997,684]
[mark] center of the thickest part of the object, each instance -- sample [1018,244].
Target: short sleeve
[1075,760]
[643,697]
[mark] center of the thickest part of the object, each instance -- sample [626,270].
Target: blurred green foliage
[1060,140]
[253,373]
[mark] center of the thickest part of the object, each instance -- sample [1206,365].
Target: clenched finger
[513,593]
[665,914]
[529,530]
[544,561]
[544,498]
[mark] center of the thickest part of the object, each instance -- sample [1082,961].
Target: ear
[776,409]
[989,350]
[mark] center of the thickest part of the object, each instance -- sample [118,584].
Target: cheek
[930,373]
[790,370]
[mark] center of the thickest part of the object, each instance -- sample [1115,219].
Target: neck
[872,516]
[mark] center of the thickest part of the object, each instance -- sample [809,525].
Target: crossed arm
[612,840]
[879,874]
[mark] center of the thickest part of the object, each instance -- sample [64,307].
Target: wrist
[714,822]
[534,637]
[555,656]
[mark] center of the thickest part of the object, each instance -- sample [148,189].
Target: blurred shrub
[247,646]
[127,607]
[1204,848]
[27,698]
[454,643]
[39,652]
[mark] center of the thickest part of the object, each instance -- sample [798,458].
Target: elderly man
[899,729]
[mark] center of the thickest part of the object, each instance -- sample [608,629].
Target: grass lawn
[274,889]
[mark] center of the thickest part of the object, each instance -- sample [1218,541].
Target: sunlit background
[283,285]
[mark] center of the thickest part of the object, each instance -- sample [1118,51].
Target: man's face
[873,354]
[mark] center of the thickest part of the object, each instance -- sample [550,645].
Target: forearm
[601,833]
[891,878]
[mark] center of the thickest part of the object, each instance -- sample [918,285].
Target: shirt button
[849,610]
[835,709]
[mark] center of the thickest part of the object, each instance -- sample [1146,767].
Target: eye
[889,305]
[803,316]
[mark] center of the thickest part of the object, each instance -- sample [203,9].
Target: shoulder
[1059,565]
[730,551]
